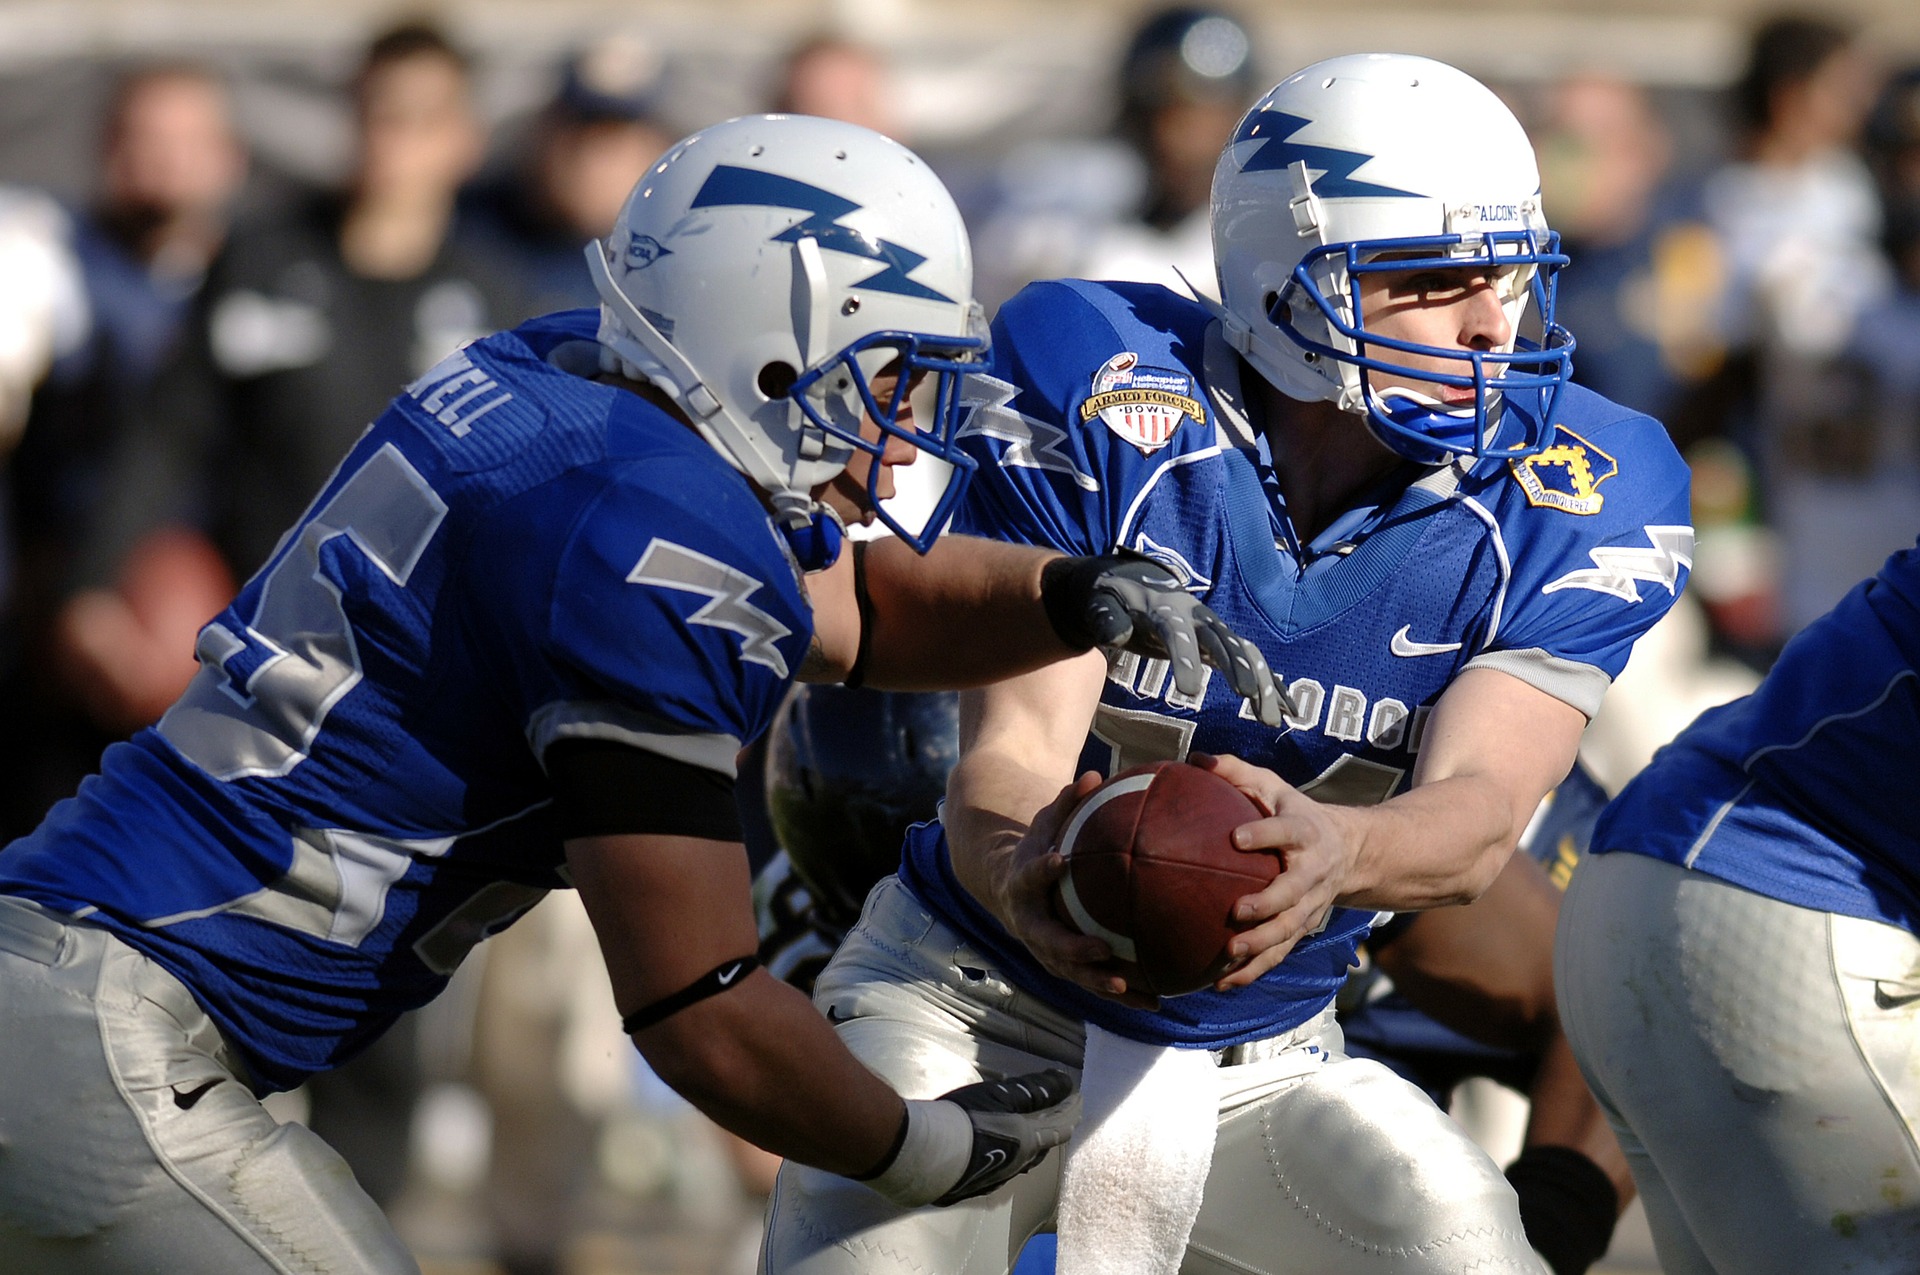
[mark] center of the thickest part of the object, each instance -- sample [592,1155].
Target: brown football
[1151,868]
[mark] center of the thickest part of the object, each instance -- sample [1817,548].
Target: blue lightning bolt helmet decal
[730,186]
[1414,167]
[787,318]
[1277,154]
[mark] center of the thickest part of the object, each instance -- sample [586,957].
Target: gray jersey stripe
[1581,685]
[577,719]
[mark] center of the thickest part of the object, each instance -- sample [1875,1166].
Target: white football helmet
[1380,154]
[763,272]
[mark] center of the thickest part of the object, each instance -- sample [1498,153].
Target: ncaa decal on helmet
[1377,163]
[764,273]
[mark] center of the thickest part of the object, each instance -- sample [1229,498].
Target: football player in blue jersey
[515,644]
[1739,960]
[1360,460]
[1439,996]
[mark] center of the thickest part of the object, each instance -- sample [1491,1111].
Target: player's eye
[1432,284]
[1450,285]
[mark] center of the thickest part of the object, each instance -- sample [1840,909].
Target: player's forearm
[991,801]
[762,1063]
[967,614]
[1494,747]
[1439,844]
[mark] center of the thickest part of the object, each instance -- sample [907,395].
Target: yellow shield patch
[1566,474]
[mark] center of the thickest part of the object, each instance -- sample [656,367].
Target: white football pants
[1343,1170]
[129,1144]
[1760,1063]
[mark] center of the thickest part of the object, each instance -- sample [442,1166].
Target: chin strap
[1441,425]
[816,542]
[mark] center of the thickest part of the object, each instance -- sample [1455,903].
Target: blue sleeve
[1050,472]
[670,629]
[1598,531]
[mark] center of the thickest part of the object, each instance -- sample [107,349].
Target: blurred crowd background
[229,232]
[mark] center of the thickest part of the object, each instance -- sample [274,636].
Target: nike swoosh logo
[1403,645]
[731,974]
[985,1167]
[1887,1001]
[185,1101]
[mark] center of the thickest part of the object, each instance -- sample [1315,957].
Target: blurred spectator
[1646,272]
[1797,213]
[45,315]
[588,147]
[1868,463]
[1893,152]
[170,166]
[1800,223]
[838,79]
[313,317]
[1186,79]
[1139,210]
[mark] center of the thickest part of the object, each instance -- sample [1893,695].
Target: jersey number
[263,693]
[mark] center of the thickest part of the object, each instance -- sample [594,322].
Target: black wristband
[1567,1204]
[893,1152]
[721,977]
[863,607]
[1065,586]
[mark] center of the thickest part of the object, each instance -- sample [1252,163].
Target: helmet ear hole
[1268,304]
[776,379]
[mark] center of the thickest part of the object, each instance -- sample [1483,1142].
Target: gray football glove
[970,1141]
[1130,602]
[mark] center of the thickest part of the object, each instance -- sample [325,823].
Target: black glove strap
[1567,1204]
[1066,584]
[727,974]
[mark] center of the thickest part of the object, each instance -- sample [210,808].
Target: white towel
[1137,1165]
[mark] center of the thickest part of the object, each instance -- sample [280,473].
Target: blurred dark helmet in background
[848,772]
[1185,55]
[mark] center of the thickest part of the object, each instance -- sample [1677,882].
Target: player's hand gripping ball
[1152,869]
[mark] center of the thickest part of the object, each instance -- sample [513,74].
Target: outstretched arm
[1493,747]
[757,1058]
[674,919]
[974,611]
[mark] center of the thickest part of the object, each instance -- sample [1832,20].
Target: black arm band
[893,1152]
[1568,1206]
[727,974]
[606,789]
[863,604]
[1065,586]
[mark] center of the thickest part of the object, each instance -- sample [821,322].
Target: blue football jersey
[1792,792]
[351,793]
[1113,416]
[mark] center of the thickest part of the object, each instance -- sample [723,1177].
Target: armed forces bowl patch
[1143,405]
[1566,474]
